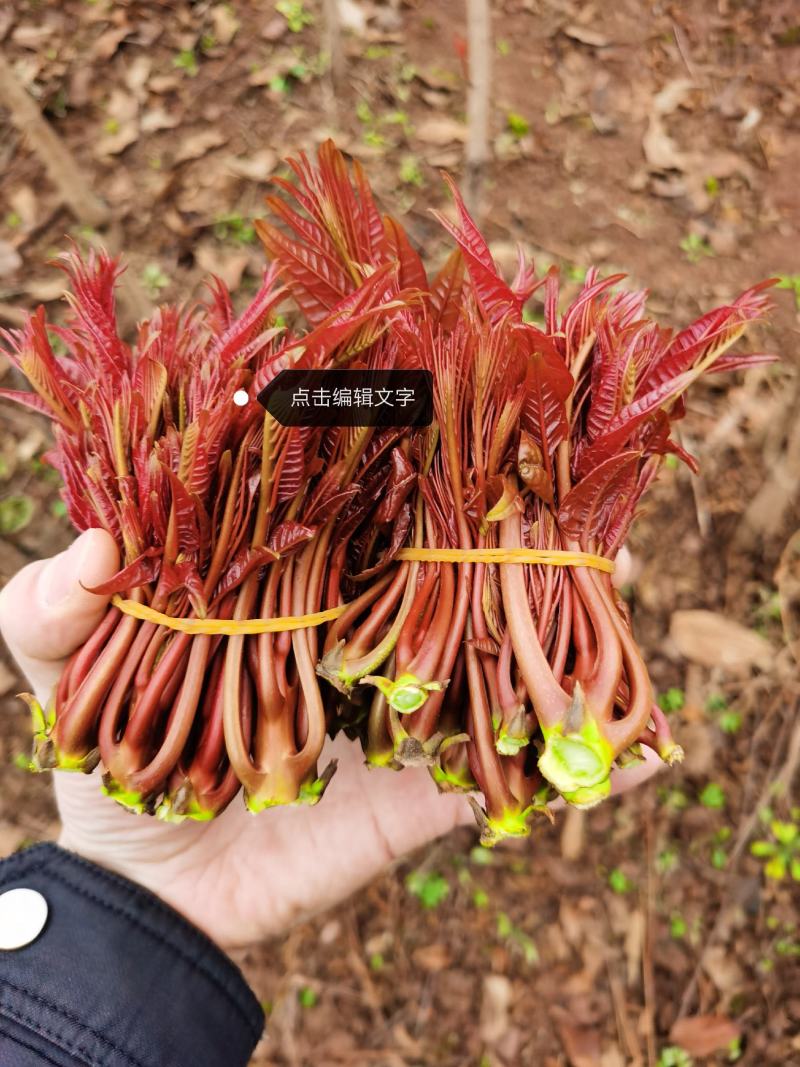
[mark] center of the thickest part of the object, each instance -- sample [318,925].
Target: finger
[46,610]
[409,808]
[624,569]
[624,779]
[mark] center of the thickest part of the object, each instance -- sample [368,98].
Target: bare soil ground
[661,140]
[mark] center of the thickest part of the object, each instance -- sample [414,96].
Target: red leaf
[183,575]
[243,563]
[92,301]
[288,536]
[150,383]
[28,400]
[484,644]
[495,297]
[742,361]
[581,510]
[143,570]
[291,471]
[400,529]
[446,293]
[703,1035]
[469,236]
[693,343]
[326,506]
[548,383]
[401,481]
[184,508]
[623,426]
[250,323]
[411,274]
[525,284]
[316,283]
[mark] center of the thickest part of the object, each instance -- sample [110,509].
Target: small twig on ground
[61,165]
[625,1031]
[648,945]
[479,59]
[697,482]
[355,956]
[573,834]
[332,44]
[11,314]
[74,187]
[683,50]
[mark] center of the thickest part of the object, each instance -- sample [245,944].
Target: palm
[242,876]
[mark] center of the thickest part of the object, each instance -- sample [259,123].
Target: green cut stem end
[578,764]
[181,805]
[405,694]
[307,793]
[494,829]
[46,755]
[129,799]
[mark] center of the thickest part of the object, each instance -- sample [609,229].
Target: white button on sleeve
[23,914]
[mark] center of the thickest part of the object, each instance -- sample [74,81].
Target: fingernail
[62,575]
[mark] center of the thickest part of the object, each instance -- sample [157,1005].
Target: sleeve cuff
[116,977]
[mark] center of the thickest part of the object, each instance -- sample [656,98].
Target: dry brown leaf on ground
[137,76]
[432,958]
[228,265]
[787,579]
[495,1008]
[121,124]
[352,17]
[10,259]
[255,168]
[164,83]
[199,143]
[438,78]
[720,965]
[24,203]
[586,35]
[672,95]
[275,28]
[582,1044]
[660,150]
[441,131]
[703,1035]
[47,288]
[157,118]
[108,42]
[32,37]
[61,165]
[712,640]
[225,23]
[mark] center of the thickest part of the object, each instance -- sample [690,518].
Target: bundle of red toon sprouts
[443,593]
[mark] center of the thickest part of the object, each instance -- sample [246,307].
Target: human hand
[239,878]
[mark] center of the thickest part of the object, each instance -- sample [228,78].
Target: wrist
[116,972]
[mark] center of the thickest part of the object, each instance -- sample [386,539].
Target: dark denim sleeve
[116,978]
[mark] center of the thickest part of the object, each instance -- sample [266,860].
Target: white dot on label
[23,914]
[240,397]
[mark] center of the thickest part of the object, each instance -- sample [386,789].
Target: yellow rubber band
[237,627]
[554,557]
[226,627]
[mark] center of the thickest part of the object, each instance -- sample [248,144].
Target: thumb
[46,612]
